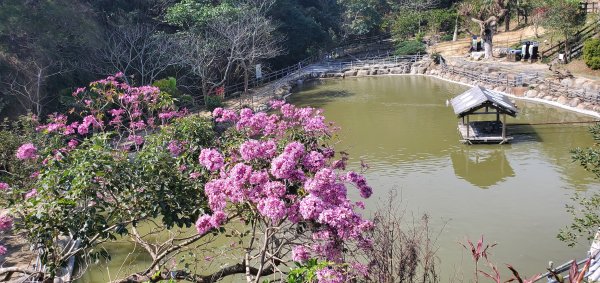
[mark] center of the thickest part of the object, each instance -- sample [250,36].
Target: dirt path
[502,39]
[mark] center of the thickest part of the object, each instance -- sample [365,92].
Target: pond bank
[576,94]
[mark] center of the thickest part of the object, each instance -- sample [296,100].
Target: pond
[513,194]
[400,126]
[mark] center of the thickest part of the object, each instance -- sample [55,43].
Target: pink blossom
[78,91]
[314,161]
[6,222]
[137,140]
[73,144]
[211,159]
[240,173]
[31,194]
[218,218]
[360,269]
[329,275]
[300,254]
[272,208]
[253,149]
[3,250]
[4,186]
[34,175]
[203,224]
[27,151]
[283,166]
[175,147]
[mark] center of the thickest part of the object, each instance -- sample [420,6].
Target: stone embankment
[579,94]
[574,93]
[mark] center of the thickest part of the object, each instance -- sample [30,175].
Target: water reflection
[513,194]
[468,165]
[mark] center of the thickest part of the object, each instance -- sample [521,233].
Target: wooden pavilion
[481,101]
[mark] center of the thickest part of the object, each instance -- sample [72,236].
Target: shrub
[447,37]
[591,53]
[213,101]
[169,85]
[410,47]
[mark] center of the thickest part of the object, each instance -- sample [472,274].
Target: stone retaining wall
[579,93]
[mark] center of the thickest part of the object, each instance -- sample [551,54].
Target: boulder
[563,100]
[574,102]
[531,93]
[477,55]
[549,97]
[567,82]
[351,73]
[362,73]
[397,70]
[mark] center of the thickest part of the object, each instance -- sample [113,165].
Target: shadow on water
[523,133]
[481,167]
[320,98]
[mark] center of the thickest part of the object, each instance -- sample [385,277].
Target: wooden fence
[500,79]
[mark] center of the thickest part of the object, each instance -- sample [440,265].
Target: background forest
[48,48]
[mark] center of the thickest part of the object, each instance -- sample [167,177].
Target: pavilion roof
[479,97]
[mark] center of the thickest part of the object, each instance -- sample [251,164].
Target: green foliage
[591,53]
[361,16]
[563,17]
[405,25]
[410,47]
[197,13]
[586,219]
[447,37]
[586,211]
[306,273]
[169,86]
[213,101]
[441,20]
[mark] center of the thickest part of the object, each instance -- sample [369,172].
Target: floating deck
[483,132]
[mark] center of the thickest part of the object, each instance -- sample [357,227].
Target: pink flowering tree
[127,157]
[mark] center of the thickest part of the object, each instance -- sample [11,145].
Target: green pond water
[514,194]
[401,127]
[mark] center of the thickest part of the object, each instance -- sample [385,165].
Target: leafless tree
[250,35]
[403,248]
[238,41]
[141,52]
[208,58]
[26,81]
[486,15]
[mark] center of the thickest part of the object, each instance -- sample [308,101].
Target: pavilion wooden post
[497,115]
[468,135]
[504,127]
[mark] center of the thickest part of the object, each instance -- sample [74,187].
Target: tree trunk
[507,20]
[487,36]
[567,51]
[455,35]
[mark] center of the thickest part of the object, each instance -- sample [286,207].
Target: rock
[351,73]
[563,100]
[500,89]
[531,93]
[397,70]
[549,97]
[362,73]
[542,94]
[567,82]
[542,87]
[574,102]
[477,55]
